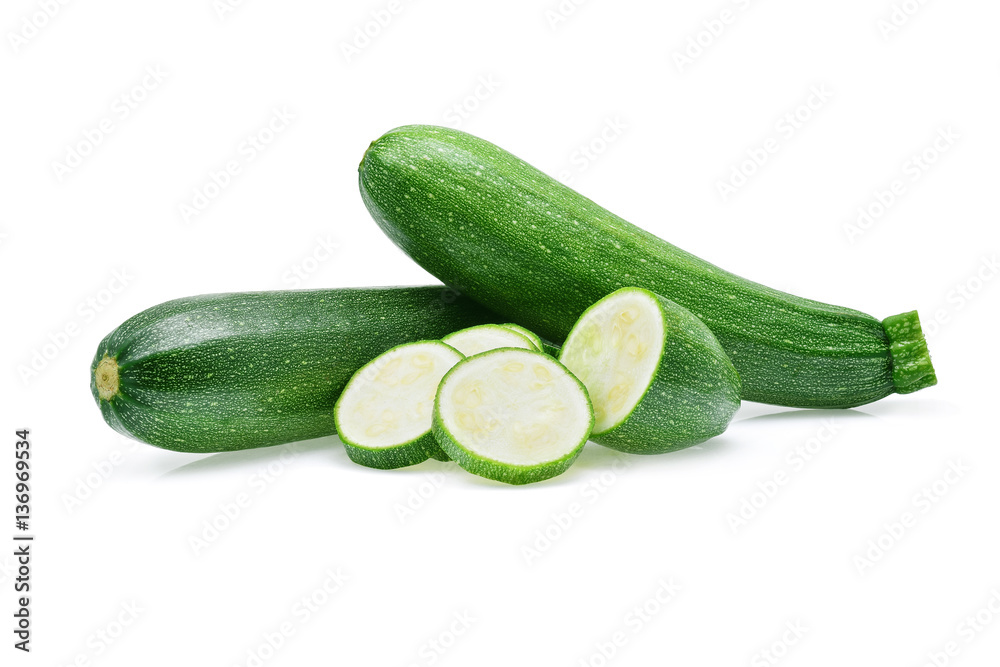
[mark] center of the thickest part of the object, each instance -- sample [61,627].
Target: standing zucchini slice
[512,415]
[384,415]
[536,342]
[486,337]
[539,253]
[658,379]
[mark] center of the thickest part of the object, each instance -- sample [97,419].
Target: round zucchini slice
[384,415]
[512,415]
[486,337]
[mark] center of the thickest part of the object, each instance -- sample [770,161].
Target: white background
[672,132]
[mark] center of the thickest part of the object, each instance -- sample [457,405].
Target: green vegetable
[539,253]
[512,415]
[383,416]
[486,337]
[532,337]
[235,371]
[657,377]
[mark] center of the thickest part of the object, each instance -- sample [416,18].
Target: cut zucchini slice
[384,415]
[486,337]
[658,378]
[512,415]
[532,337]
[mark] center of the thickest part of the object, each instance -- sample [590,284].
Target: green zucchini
[383,416]
[657,377]
[512,415]
[532,249]
[222,372]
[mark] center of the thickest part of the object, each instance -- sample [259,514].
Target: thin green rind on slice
[911,362]
[536,342]
[384,414]
[512,415]
[677,390]
[473,340]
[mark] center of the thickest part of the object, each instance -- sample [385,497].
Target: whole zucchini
[532,249]
[221,372]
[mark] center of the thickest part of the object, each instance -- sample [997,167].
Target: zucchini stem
[911,362]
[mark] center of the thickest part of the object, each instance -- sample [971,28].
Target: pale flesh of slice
[515,407]
[390,401]
[486,337]
[615,349]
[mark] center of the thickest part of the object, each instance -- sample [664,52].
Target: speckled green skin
[222,372]
[692,396]
[484,221]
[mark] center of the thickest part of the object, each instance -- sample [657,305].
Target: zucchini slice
[658,379]
[512,415]
[384,415]
[536,342]
[474,340]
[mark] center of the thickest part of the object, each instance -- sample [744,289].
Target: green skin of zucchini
[496,228]
[223,372]
[693,395]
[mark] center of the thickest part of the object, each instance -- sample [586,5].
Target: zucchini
[222,372]
[474,340]
[539,253]
[512,415]
[658,379]
[383,416]
[532,337]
